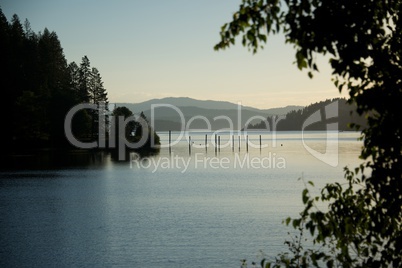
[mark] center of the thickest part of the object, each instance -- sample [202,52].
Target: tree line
[346,118]
[40,87]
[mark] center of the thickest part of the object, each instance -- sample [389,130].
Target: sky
[164,48]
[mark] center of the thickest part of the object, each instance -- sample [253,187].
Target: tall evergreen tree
[6,82]
[39,88]
[84,79]
[55,95]
[97,92]
[53,63]
[26,118]
[97,95]
[16,35]
[74,72]
[81,124]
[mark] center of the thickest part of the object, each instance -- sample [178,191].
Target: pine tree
[16,35]
[74,72]
[5,82]
[56,97]
[97,95]
[84,79]
[39,88]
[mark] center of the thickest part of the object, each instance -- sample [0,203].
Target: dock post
[206,142]
[170,141]
[189,145]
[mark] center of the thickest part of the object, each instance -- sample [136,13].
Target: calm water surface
[203,209]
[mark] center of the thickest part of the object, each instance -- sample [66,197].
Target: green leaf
[305,196]
[301,60]
[296,223]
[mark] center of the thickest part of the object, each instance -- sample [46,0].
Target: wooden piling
[189,145]
[216,144]
[170,141]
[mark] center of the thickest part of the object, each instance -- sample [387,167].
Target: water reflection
[67,159]
[128,156]
[158,213]
[53,160]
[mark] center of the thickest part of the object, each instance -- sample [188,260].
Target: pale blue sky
[164,48]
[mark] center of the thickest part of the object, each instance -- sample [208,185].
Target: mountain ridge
[337,112]
[192,114]
[206,104]
[218,114]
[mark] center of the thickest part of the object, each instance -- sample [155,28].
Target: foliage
[125,113]
[362,225]
[39,88]
[133,131]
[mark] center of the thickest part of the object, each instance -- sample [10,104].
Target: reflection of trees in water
[130,155]
[53,159]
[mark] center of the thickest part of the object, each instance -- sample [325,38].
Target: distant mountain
[200,113]
[329,111]
[187,102]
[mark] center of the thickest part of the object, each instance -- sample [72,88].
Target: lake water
[206,208]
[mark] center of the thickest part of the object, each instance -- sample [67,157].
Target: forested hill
[344,116]
[39,87]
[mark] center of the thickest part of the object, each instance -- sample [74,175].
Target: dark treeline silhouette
[346,115]
[134,132]
[40,87]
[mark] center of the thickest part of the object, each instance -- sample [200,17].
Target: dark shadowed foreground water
[177,210]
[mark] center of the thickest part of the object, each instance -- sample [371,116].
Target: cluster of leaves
[39,88]
[362,226]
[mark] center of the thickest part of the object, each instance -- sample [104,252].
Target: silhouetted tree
[97,95]
[123,112]
[75,79]
[8,94]
[57,97]
[82,125]
[40,88]
[152,138]
[362,226]
[84,79]
[134,131]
